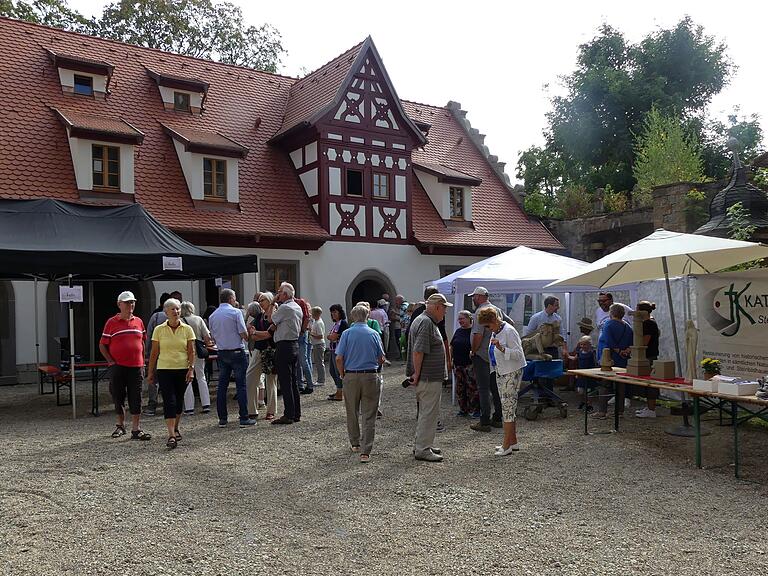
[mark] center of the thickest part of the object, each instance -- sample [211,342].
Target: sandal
[354,448]
[269,417]
[171,443]
[119,431]
[140,435]
[364,458]
[178,435]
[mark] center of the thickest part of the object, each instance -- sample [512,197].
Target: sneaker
[306,391]
[248,422]
[379,415]
[206,409]
[598,415]
[148,412]
[222,423]
[646,413]
[440,427]
[262,405]
[461,414]
[189,412]
[476,415]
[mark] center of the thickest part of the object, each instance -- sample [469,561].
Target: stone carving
[545,336]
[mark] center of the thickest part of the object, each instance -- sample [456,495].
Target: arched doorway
[7,333]
[368,286]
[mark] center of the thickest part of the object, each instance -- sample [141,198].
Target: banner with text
[733,321]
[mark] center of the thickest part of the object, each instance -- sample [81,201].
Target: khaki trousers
[253,383]
[428,394]
[361,397]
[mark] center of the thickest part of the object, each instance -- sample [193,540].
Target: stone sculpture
[545,336]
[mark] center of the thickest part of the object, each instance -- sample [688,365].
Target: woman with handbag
[262,359]
[202,343]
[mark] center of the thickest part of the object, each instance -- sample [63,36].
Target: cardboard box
[737,388]
[663,369]
[705,385]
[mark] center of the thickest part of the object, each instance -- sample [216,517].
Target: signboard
[219,281]
[172,263]
[70,293]
[733,321]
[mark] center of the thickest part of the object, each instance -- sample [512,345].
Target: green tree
[199,28]
[54,13]
[714,139]
[590,129]
[665,153]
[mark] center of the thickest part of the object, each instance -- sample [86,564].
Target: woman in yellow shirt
[173,359]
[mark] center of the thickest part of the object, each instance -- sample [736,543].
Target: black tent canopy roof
[50,239]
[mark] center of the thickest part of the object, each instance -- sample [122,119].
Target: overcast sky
[496,58]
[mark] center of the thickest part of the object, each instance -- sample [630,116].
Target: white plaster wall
[195,98]
[309,181]
[334,181]
[192,167]
[82,158]
[25,321]
[296,158]
[67,78]
[437,192]
[325,274]
[400,190]
[310,152]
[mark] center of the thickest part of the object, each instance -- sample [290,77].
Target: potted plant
[711,367]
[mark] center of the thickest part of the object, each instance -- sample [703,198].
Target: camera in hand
[407,382]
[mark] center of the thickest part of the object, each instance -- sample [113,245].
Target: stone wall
[673,210]
[592,238]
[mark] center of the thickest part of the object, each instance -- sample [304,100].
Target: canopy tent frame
[54,240]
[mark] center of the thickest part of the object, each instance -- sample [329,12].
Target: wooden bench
[57,379]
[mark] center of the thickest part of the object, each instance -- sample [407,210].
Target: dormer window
[105,163]
[181,101]
[180,93]
[210,162]
[449,190]
[83,85]
[214,179]
[457,203]
[82,76]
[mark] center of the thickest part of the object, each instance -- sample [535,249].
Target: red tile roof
[498,220]
[36,162]
[247,106]
[99,125]
[196,139]
[310,95]
[448,173]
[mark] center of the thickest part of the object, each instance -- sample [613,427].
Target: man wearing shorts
[122,345]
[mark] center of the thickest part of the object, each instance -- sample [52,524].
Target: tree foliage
[590,134]
[199,28]
[54,13]
[665,153]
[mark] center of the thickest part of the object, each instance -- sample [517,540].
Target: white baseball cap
[480,291]
[126,296]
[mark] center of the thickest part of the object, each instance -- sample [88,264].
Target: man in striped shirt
[122,345]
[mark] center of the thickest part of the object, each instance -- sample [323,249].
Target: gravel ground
[293,500]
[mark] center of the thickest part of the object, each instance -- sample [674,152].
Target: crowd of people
[277,346]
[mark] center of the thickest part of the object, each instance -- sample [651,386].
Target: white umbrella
[664,254]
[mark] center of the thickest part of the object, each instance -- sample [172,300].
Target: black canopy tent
[50,239]
[55,240]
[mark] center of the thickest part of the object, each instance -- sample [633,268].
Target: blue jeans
[306,368]
[229,361]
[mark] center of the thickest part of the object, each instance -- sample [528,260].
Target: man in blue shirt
[228,330]
[358,356]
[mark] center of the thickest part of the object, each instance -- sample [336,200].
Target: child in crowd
[586,358]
